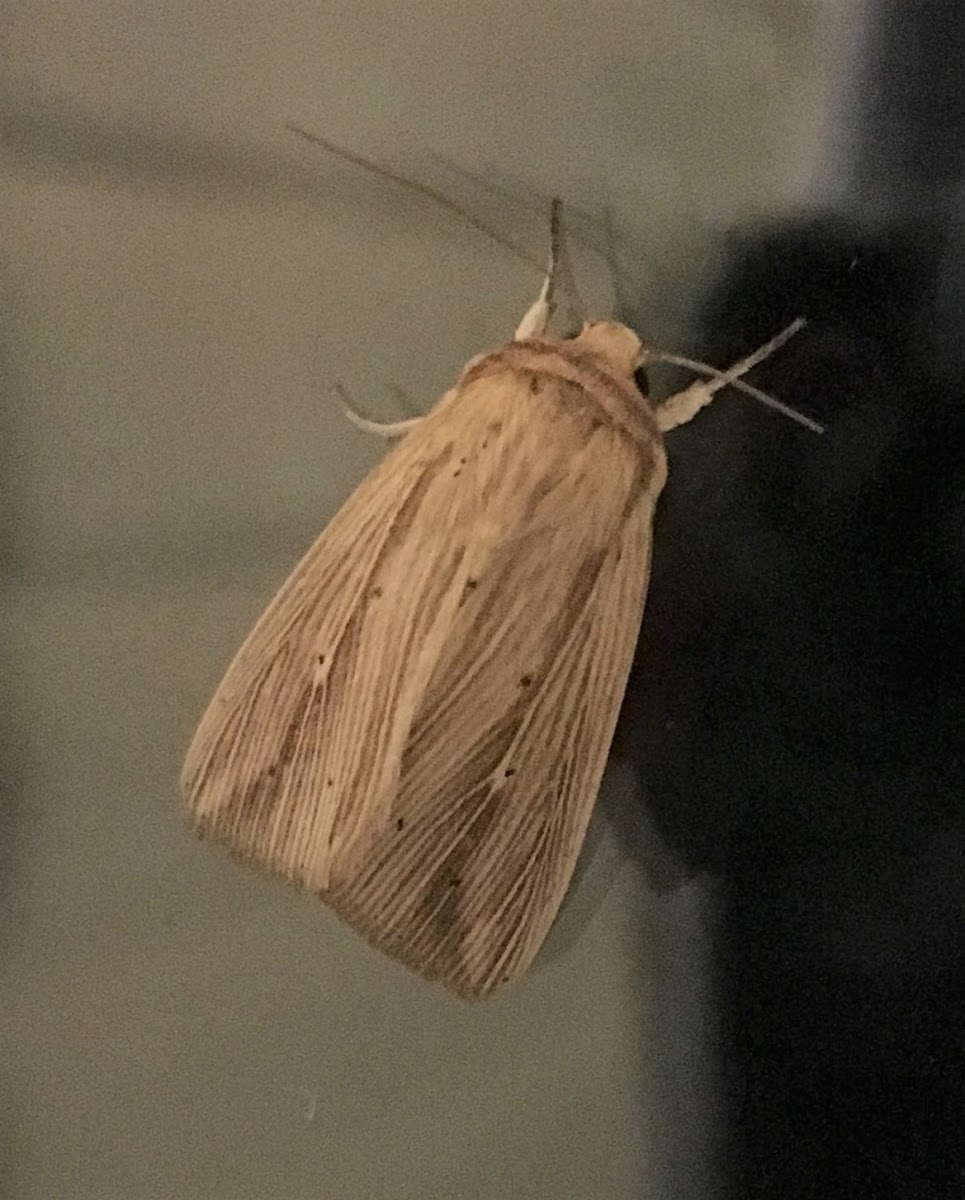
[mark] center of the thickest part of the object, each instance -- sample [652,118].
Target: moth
[416,729]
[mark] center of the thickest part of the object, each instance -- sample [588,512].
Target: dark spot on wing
[469,587]
[441,925]
[250,808]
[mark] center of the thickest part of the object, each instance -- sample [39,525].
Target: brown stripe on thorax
[617,400]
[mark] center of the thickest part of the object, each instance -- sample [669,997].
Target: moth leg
[683,406]
[537,317]
[386,429]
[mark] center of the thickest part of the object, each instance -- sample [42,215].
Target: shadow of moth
[417,727]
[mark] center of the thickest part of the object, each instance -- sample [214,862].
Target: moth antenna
[745,364]
[560,269]
[385,429]
[575,307]
[521,198]
[610,235]
[724,379]
[537,316]
[680,408]
[566,278]
[423,189]
[555,254]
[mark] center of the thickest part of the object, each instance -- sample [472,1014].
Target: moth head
[619,347]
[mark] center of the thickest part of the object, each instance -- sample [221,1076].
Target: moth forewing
[254,776]
[565,746]
[417,726]
[504,760]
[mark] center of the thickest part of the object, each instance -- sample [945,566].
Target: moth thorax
[618,347]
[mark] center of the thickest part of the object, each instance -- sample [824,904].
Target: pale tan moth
[417,727]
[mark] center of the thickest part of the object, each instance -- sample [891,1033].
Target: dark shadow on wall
[798,705]
[797,714]
[908,99]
